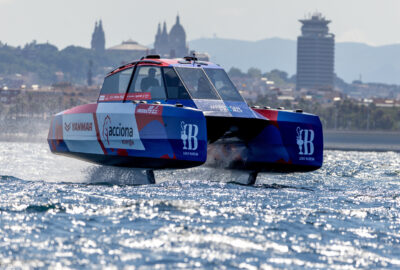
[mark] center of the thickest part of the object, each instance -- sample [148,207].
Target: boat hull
[131,135]
[163,136]
[278,140]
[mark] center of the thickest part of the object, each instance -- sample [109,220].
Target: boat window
[223,84]
[147,84]
[175,87]
[197,83]
[116,83]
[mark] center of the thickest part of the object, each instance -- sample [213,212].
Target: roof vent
[190,58]
[153,56]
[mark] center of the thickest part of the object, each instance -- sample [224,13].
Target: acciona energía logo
[189,134]
[118,131]
[305,141]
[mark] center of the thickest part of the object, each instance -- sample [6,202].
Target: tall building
[98,38]
[172,44]
[315,54]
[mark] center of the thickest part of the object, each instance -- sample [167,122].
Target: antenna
[194,57]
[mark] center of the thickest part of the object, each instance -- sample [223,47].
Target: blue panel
[213,107]
[184,102]
[187,133]
[240,109]
[294,139]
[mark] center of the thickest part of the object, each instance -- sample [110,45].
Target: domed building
[172,44]
[130,46]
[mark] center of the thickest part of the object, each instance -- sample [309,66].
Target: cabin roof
[177,62]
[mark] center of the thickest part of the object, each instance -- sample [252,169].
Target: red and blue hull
[163,136]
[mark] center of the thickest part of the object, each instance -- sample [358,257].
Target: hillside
[374,64]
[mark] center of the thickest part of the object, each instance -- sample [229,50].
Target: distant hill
[374,64]
[40,63]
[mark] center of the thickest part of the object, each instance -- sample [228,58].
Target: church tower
[157,42]
[161,43]
[177,40]
[98,38]
[164,48]
[173,44]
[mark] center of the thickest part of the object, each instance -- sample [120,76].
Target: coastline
[344,140]
[362,140]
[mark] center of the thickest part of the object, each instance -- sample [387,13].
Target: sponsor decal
[67,127]
[139,96]
[235,109]
[304,140]
[106,124]
[79,132]
[128,142]
[117,126]
[154,110]
[129,96]
[78,126]
[219,107]
[189,134]
[117,131]
[82,126]
[114,97]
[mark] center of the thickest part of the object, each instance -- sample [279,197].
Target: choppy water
[57,212]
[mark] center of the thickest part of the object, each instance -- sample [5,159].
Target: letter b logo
[305,138]
[189,134]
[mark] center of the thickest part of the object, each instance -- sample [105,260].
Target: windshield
[197,83]
[175,88]
[223,84]
[116,83]
[147,84]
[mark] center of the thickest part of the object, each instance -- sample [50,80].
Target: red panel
[146,113]
[122,152]
[166,156]
[282,161]
[96,125]
[87,108]
[271,115]
[138,96]
[129,96]
[111,97]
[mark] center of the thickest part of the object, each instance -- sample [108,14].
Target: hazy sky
[65,22]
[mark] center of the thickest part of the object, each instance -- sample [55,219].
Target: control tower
[315,54]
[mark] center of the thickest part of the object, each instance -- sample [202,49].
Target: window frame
[137,67]
[209,81]
[118,74]
[184,86]
[191,97]
[232,84]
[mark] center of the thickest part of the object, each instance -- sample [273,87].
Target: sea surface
[57,212]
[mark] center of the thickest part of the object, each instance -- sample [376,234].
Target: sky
[71,22]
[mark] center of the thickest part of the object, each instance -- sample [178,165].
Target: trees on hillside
[44,60]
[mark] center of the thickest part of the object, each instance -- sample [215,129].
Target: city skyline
[47,20]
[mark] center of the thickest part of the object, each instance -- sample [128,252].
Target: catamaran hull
[131,135]
[161,136]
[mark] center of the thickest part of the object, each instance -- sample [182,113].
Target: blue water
[58,212]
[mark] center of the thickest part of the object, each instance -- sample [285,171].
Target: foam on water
[60,212]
